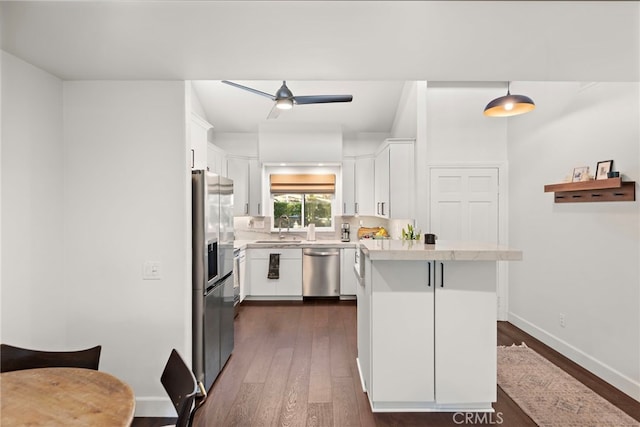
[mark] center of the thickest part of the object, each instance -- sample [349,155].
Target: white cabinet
[402,325]
[381,189]
[216,160]
[347,278]
[364,186]
[363,312]
[255,188]
[395,179]
[348,186]
[247,185]
[198,129]
[358,185]
[289,282]
[238,171]
[465,331]
[441,318]
[242,273]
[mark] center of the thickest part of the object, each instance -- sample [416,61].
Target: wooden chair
[16,358]
[186,394]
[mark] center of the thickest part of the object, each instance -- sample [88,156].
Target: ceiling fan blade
[321,99]
[274,113]
[256,91]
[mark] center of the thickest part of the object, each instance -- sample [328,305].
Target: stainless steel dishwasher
[320,272]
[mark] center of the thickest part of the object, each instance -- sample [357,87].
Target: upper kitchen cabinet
[394,187]
[357,185]
[238,171]
[255,188]
[216,160]
[198,129]
[247,185]
[364,188]
[348,186]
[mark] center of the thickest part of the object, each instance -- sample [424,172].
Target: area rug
[550,396]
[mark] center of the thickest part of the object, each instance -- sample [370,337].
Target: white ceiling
[341,46]
[231,109]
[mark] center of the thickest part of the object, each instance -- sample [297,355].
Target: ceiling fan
[284,98]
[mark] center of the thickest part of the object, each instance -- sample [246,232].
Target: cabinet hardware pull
[355,207]
[576,196]
[246,208]
[618,194]
[344,207]
[442,274]
[193,158]
[429,274]
[596,195]
[382,206]
[259,211]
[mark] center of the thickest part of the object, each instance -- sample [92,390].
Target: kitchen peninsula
[427,324]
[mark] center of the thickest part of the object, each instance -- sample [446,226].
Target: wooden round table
[64,397]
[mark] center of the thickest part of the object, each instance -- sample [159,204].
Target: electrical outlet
[563,320]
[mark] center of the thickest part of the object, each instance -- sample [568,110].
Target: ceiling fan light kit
[284,98]
[509,105]
[284,104]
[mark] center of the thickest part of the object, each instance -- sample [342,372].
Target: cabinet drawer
[284,253]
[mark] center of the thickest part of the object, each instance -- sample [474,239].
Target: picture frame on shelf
[603,168]
[580,173]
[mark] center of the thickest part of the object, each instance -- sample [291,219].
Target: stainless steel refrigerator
[213,294]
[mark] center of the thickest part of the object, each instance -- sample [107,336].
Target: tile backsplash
[254,228]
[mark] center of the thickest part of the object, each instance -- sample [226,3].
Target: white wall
[405,121]
[362,143]
[95,180]
[239,144]
[457,131]
[32,233]
[579,259]
[126,198]
[300,142]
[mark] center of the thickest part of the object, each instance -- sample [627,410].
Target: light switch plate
[151,270]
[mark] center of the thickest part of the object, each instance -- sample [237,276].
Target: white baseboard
[607,373]
[155,407]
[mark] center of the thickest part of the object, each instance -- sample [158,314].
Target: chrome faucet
[280,236]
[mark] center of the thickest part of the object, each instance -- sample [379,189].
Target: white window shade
[303,183]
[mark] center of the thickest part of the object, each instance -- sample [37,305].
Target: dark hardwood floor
[294,365]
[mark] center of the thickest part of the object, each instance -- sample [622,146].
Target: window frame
[274,220]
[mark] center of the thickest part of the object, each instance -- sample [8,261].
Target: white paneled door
[464,204]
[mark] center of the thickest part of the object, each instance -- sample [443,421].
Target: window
[303,209]
[305,198]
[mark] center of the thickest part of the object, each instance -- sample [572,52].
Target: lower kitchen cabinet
[242,273]
[363,313]
[427,334]
[465,331]
[402,333]
[289,282]
[347,276]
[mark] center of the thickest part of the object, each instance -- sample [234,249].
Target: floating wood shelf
[601,190]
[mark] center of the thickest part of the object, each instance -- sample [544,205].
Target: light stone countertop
[292,244]
[414,250]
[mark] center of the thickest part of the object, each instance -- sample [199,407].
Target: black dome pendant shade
[509,105]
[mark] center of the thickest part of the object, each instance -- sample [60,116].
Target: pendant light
[509,105]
